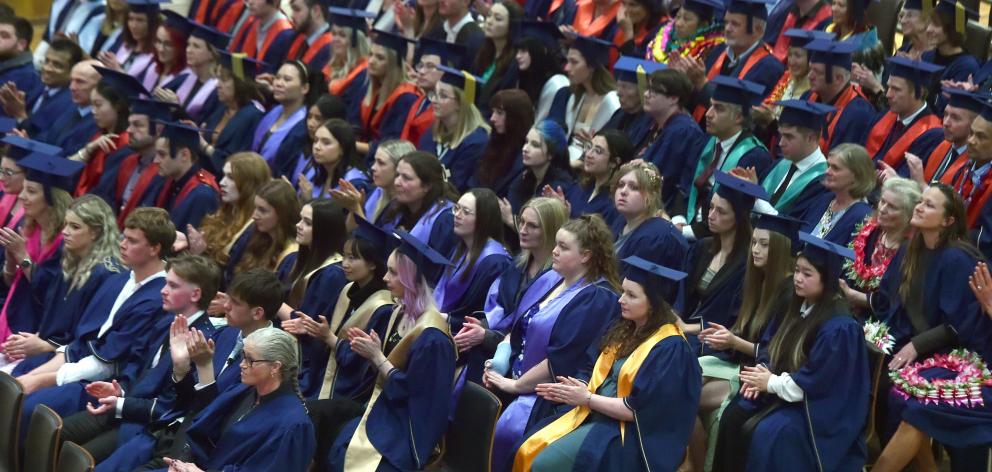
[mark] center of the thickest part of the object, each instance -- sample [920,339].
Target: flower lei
[864,275]
[665,45]
[877,334]
[965,389]
[779,91]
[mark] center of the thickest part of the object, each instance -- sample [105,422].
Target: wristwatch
[26,263]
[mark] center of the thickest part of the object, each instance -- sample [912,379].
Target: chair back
[73,458]
[976,41]
[470,436]
[11,403]
[884,14]
[41,448]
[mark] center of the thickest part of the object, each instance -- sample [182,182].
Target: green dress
[560,455]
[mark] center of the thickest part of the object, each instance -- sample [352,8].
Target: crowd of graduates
[695,235]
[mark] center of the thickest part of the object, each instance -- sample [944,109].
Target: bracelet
[384,360]
[588,399]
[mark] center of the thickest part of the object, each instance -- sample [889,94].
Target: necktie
[948,159]
[703,181]
[785,184]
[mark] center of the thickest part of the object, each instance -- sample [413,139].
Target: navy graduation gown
[922,146]
[29,299]
[198,203]
[355,376]
[20,70]
[554,178]
[850,127]
[601,204]
[637,126]
[717,303]
[460,298]
[283,269]
[675,151]
[462,161]
[836,383]
[51,108]
[124,345]
[501,186]
[765,72]
[843,230]
[71,131]
[275,435]
[197,108]
[235,137]
[957,67]
[664,398]
[321,295]
[411,413]
[953,426]
[353,95]
[946,298]
[656,240]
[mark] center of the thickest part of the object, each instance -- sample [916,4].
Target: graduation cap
[649,274]
[740,92]
[804,114]
[122,82]
[242,66]
[705,9]
[825,254]
[180,135]
[751,9]
[397,43]
[635,71]
[544,32]
[832,54]
[51,172]
[958,11]
[177,22]
[595,51]
[18,147]
[784,225]
[463,80]
[917,73]
[211,36]
[422,255]
[153,109]
[799,38]
[382,240]
[357,20]
[985,102]
[963,99]
[920,5]
[148,7]
[739,192]
[7,124]
[448,52]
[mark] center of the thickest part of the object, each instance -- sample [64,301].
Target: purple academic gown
[268,146]
[587,309]
[460,295]
[198,102]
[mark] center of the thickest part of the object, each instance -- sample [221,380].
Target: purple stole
[196,103]
[422,230]
[268,147]
[511,424]
[139,63]
[371,201]
[452,285]
[496,314]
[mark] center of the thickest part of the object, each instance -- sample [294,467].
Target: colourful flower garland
[665,45]
[864,275]
[877,334]
[779,91]
[965,389]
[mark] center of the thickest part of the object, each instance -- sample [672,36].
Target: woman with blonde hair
[347,71]
[244,174]
[460,134]
[383,171]
[518,288]
[91,253]
[850,178]
[553,337]
[389,95]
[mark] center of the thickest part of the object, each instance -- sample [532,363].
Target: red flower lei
[866,276]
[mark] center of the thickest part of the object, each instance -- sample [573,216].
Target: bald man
[73,130]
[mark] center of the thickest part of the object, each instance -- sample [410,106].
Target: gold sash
[299,288]
[361,454]
[227,249]
[573,419]
[359,318]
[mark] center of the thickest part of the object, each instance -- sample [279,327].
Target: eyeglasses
[458,209]
[10,172]
[251,362]
[437,97]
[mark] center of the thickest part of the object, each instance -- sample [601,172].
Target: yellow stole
[359,318]
[361,455]
[573,419]
[299,288]
[290,248]
[227,249]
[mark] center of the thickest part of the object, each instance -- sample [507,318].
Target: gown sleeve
[574,342]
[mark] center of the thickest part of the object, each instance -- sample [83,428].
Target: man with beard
[312,41]
[54,98]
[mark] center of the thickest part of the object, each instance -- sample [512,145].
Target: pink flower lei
[864,275]
[964,389]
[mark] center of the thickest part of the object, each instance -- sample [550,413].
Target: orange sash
[230,17]
[372,117]
[94,168]
[842,101]
[897,152]
[416,125]
[586,25]
[714,71]
[296,49]
[337,87]
[246,39]
[974,198]
[938,154]
[201,11]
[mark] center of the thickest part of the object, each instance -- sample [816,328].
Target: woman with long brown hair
[512,115]
[269,240]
